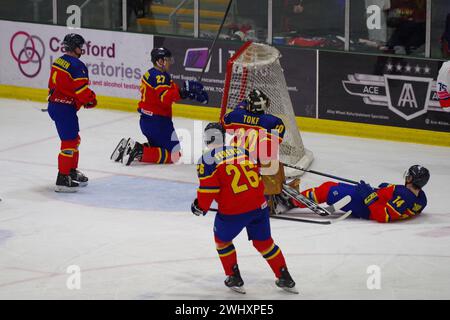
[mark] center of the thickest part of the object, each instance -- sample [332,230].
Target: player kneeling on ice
[386,203]
[68,92]
[158,93]
[228,176]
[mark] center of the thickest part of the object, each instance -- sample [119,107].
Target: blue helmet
[160,53]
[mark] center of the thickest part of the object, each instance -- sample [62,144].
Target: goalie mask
[257,101]
[418,175]
[214,134]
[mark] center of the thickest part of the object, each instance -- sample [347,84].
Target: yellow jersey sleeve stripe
[208,190]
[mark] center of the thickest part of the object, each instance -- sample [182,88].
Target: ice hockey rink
[132,235]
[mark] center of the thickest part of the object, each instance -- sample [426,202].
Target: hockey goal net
[257,66]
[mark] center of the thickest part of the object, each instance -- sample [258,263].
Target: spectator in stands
[140,8]
[407,17]
[445,39]
[286,13]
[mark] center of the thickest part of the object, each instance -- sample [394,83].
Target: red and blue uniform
[158,93]
[260,134]
[68,92]
[228,176]
[395,202]
[443,85]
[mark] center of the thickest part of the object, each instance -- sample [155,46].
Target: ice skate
[119,150]
[64,183]
[79,177]
[133,151]
[286,282]
[235,282]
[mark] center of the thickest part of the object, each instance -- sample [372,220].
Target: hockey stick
[331,209]
[315,221]
[321,174]
[215,39]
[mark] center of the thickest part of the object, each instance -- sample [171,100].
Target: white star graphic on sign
[408,68]
[398,67]
[417,69]
[426,69]
[389,67]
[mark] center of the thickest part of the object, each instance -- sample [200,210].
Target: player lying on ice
[158,93]
[386,203]
[229,176]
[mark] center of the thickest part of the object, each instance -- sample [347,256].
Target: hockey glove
[193,87]
[202,97]
[367,193]
[196,209]
[91,104]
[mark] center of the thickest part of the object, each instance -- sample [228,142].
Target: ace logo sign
[407,96]
[381,90]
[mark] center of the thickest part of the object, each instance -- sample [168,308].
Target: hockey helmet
[214,133]
[161,53]
[419,175]
[257,102]
[72,41]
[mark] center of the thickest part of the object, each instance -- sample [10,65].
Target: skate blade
[64,189]
[119,150]
[240,290]
[126,154]
[82,184]
[291,290]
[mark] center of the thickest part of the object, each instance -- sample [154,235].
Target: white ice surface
[133,236]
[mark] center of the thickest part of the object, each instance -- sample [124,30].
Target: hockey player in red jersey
[443,85]
[158,93]
[228,176]
[68,92]
[386,203]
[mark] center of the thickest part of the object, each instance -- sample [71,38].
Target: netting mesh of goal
[257,66]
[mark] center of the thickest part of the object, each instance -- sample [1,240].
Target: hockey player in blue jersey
[259,132]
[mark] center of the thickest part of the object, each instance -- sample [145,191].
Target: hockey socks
[272,253]
[227,255]
[68,156]
[159,155]
[318,195]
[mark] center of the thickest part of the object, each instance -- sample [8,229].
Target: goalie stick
[321,174]
[314,207]
[332,209]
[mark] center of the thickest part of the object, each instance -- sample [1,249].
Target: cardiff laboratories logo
[407,95]
[28,51]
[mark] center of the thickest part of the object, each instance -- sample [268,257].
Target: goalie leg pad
[273,184]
